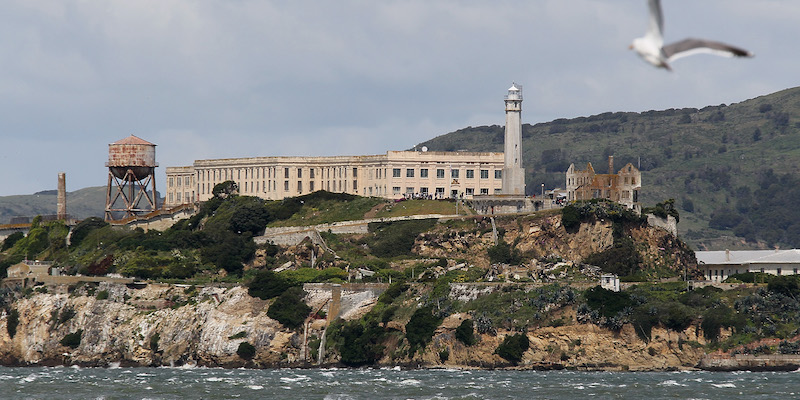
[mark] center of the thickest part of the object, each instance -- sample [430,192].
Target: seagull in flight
[651,46]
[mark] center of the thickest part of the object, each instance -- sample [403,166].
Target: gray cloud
[206,79]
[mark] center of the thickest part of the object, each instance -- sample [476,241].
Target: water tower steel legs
[136,192]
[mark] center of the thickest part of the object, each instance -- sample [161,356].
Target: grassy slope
[686,154]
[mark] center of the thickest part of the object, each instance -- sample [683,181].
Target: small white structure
[609,282]
[513,173]
[717,266]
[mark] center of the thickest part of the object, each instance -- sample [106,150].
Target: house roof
[741,257]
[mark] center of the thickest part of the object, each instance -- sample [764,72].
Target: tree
[420,328]
[513,347]
[267,284]
[289,309]
[225,189]
[465,333]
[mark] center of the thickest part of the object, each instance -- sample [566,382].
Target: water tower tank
[134,154]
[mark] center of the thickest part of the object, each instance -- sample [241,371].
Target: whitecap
[410,382]
[255,387]
[670,382]
[724,385]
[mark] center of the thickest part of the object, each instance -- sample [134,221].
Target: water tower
[131,171]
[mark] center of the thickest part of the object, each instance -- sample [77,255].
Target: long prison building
[394,175]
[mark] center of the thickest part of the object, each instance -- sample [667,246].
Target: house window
[311,173]
[299,187]
[454,193]
[396,190]
[395,172]
[470,191]
[498,174]
[470,174]
[311,186]
[285,186]
[484,174]
[355,186]
[299,172]
[439,193]
[355,171]
[440,173]
[187,181]
[485,191]
[497,191]
[424,192]
[454,173]
[409,172]
[409,190]
[179,196]
[779,271]
[423,173]
[286,174]
[171,200]
[171,182]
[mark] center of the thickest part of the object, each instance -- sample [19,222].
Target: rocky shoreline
[170,325]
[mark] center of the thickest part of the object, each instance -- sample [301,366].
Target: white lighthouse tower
[513,173]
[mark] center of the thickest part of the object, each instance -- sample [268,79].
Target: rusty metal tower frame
[131,173]
[132,190]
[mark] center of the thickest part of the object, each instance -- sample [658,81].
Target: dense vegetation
[729,167]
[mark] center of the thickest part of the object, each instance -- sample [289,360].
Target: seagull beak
[630,46]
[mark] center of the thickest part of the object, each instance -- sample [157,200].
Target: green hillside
[731,168]
[82,203]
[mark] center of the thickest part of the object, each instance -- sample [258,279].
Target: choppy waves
[390,383]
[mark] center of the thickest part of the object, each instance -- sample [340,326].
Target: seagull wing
[655,30]
[691,46]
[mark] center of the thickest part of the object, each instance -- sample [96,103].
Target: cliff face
[173,325]
[582,347]
[120,330]
[140,327]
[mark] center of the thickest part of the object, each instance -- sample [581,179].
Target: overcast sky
[221,79]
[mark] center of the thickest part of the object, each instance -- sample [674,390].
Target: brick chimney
[61,207]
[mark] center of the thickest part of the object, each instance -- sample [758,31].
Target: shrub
[786,285]
[240,335]
[246,350]
[154,338]
[359,343]
[394,290]
[503,253]
[420,328]
[289,308]
[83,228]
[570,218]
[608,303]
[102,295]
[513,347]
[267,284]
[12,322]
[11,240]
[465,333]
[72,340]
[444,355]
[397,238]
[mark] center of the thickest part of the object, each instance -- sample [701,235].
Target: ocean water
[53,383]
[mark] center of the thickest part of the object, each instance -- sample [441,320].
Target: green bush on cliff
[513,347]
[420,328]
[246,350]
[12,322]
[289,308]
[504,253]
[392,239]
[465,333]
[267,284]
[359,342]
[608,303]
[72,340]
[11,240]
